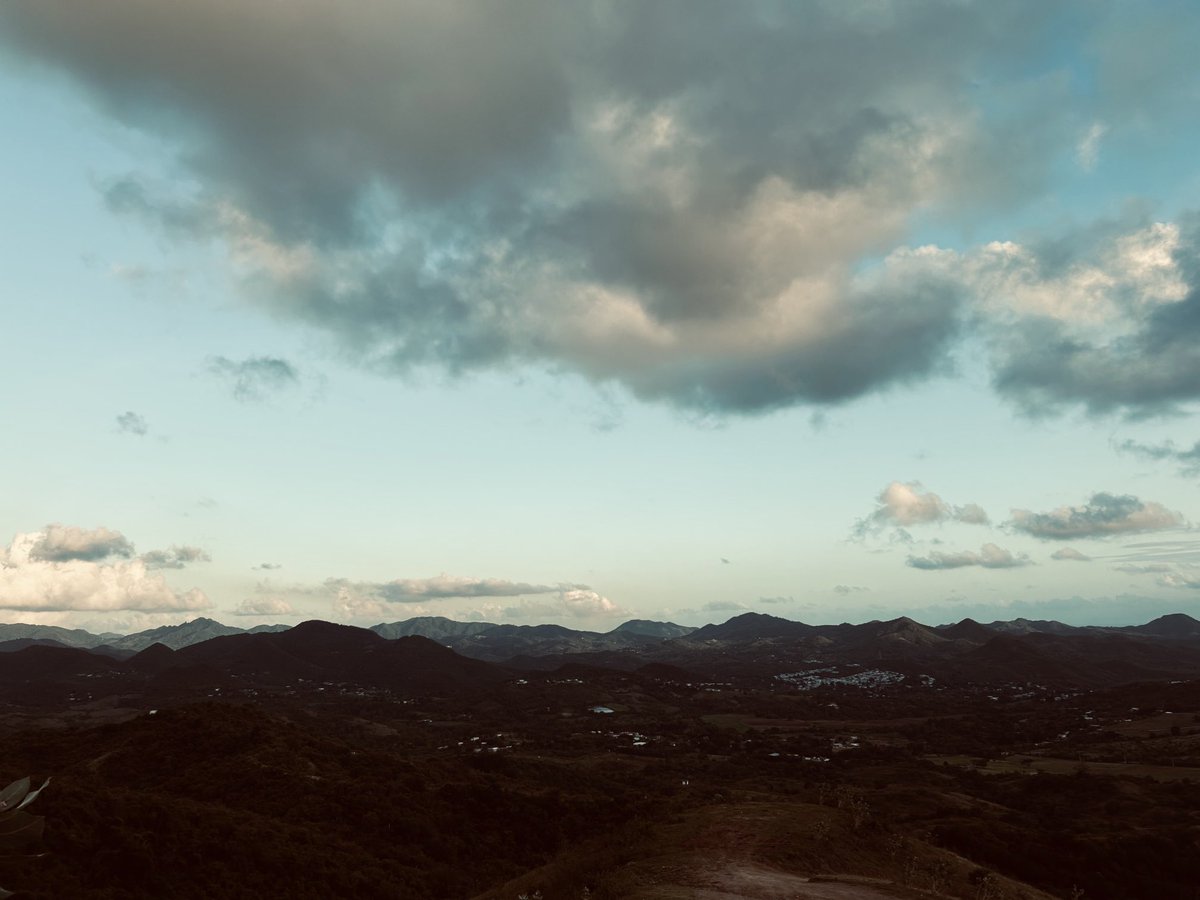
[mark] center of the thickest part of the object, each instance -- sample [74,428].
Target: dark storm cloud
[695,201]
[1102,516]
[255,378]
[61,543]
[674,197]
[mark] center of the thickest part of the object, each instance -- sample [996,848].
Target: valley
[750,759]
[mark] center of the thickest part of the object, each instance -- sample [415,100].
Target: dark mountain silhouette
[1174,625]
[175,636]
[435,628]
[651,629]
[968,630]
[751,626]
[1042,626]
[153,659]
[327,652]
[38,663]
[70,637]
[15,644]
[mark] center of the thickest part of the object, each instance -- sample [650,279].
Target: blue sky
[580,313]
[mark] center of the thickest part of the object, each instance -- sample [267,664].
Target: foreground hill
[328,652]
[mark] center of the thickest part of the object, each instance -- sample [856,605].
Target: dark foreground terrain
[754,759]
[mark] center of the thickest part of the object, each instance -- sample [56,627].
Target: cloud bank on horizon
[712,206]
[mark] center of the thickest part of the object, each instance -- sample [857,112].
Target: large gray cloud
[1102,516]
[60,543]
[697,201]
[1123,332]
[681,198]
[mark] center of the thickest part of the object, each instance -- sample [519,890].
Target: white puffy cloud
[904,504]
[570,603]
[990,556]
[68,569]
[350,604]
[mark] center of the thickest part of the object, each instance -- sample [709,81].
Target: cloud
[1102,516]
[441,587]
[264,606]
[571,603]
[255,378]
[1070,553]
[349,604]
[694,213]
[1148,569]
[990,556]
[267,567]
[60,543]
[908,503]
[175,557]
[1087,153]
[776,600]
[68,569]
[131,423]
[1187,580]
[1173,551]
[1188,460]
[849,589]
[1106,318]
[723,606]
[713,216]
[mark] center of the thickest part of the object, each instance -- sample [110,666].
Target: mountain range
[432,653]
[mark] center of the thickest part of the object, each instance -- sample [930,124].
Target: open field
[1029,765]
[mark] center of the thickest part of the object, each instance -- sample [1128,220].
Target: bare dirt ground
[741,880]
[717,861]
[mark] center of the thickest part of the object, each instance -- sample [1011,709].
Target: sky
[579,312]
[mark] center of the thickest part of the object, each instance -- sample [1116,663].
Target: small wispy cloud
[175,557]
[1070,553]
[1087,151]
[1188,460]
[256,378]
[130,422]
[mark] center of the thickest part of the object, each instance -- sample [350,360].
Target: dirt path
[749,881]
